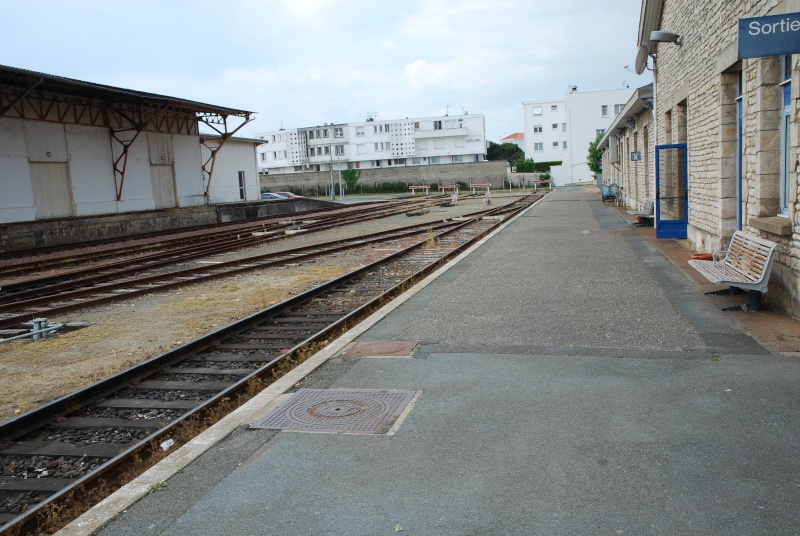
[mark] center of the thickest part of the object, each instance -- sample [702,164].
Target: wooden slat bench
[645,212]
[746,265]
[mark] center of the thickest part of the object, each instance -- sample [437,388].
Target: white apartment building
[374,144]
[561,129]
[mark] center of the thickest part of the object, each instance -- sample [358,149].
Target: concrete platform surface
[571,378]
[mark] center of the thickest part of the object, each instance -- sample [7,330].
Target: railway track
[196,241]
[99,285]
[81,438]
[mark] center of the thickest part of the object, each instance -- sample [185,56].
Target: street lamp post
[337,135]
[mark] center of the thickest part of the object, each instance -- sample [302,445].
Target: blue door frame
[672,191]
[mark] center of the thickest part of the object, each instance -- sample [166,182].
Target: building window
[563,127]
[555,144]
[604,110]
[263,157]
[359,131]
[310,134]
[555,126]
[618,108]
[554,107]
[318,134]
[399,162]
[327,149]
[537,110]
[458,158]
[786,86]
[241,185]
[565,145]
[416,161]
[337,132]
[437,125]
[298,168]
[537,129]
[434,160]
[377,163]
[600,131]
[339,150]
[538,147]
[324,132]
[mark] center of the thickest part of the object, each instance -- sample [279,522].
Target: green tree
[526,166]
[350,177]
[510,152]
[595,157]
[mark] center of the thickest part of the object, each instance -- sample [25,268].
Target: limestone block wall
[698,94]
[637,178]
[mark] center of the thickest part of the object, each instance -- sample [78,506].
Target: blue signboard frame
[773,35]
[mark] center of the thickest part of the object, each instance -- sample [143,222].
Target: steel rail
[20,264]
[417,261]
[137,282]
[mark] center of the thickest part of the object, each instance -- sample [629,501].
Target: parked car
[289,195]
[269,196]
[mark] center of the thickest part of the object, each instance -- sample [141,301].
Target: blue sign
[774,35]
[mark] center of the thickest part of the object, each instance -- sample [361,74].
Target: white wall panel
[234,156]
[91,169]
[16,193]
[46,142]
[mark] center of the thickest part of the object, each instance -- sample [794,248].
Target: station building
[714,141]
[77,154]
[560,130]
[372,144]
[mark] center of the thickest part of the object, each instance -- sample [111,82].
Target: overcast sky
[301,63]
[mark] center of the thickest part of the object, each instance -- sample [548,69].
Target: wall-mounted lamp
[666,37]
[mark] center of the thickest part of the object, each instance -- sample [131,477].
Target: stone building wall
[696,102]
[635,176]
[314,183]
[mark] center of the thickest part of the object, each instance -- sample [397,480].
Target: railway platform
[566,376]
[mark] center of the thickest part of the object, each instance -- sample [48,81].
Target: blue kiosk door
[672,191]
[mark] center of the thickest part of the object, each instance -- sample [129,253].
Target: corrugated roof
[79,88]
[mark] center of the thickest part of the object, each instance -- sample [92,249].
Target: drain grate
[382,348]
[355,411]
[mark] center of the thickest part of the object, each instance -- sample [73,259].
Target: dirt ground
[128,332]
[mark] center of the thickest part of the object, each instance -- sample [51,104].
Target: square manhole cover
[355,411]
[382,348]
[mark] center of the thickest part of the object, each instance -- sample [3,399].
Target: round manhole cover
[365,411]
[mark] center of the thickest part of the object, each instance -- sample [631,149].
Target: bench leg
[753,305]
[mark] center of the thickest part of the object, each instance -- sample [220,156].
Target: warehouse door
[52,192]
[163,179]
[162,169]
